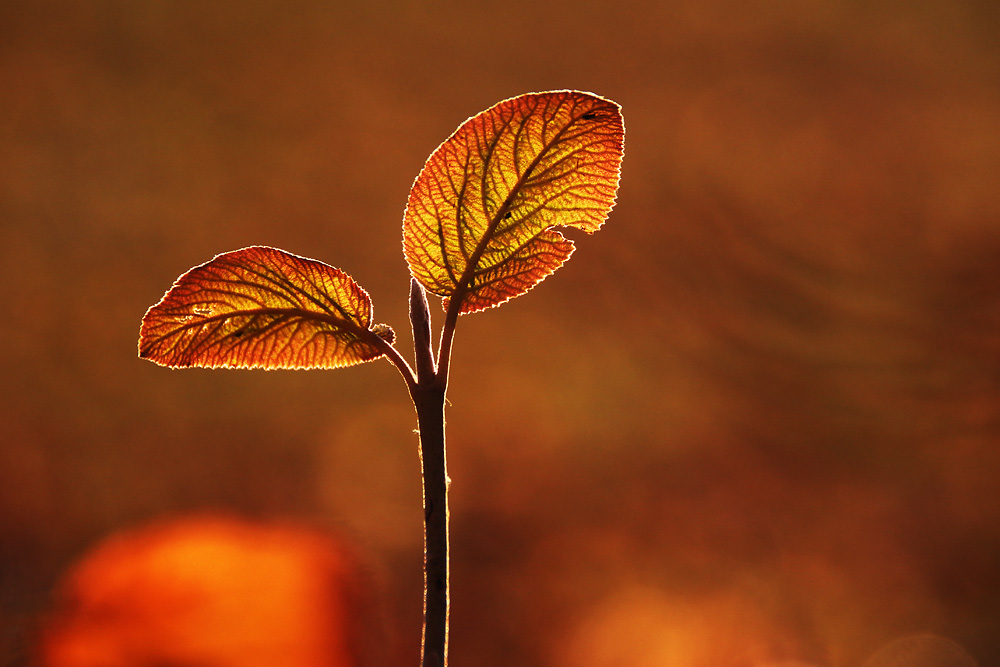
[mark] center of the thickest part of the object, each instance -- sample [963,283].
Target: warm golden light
[212,592]
[767,390]
[646,628]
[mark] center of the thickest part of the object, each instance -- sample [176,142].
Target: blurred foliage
[758,413]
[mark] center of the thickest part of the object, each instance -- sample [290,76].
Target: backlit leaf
[479,219]
[260,307]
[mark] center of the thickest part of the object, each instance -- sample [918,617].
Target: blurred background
[753,422]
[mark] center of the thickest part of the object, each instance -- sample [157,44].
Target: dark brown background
[754,419]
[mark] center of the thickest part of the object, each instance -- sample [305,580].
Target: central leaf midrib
[266,274]
[341,324]
[463,285]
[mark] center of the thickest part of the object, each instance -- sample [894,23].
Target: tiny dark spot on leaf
[506,216]
[590,115]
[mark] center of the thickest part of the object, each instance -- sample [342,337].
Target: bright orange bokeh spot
[211,592]
[645,628]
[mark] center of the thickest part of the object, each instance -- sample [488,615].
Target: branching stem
[428,395]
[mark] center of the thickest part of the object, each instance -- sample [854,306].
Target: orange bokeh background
[752,422]
[213,590]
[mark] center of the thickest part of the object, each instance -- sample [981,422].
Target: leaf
[260,307]
[478,222]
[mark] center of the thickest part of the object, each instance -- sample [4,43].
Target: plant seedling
[478,230]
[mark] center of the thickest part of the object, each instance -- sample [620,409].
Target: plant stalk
[430,417]
[428,396]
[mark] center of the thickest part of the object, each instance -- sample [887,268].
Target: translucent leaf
[260,307]
[479,219]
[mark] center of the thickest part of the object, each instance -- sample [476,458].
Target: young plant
[478,230]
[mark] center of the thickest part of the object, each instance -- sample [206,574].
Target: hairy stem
[428,396]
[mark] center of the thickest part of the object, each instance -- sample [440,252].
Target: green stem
[428,396]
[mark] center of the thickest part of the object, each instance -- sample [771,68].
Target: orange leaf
[479,219]
[260,307]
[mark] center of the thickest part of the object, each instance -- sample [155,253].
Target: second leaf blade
[261,307]
[479,219]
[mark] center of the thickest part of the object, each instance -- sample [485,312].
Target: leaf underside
[260,307]
[479,219]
